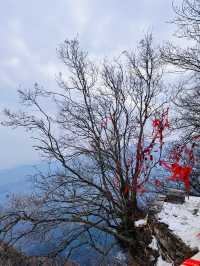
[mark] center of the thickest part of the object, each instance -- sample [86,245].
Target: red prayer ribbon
[181,173]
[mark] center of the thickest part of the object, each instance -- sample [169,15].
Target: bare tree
[187,60]
[101,136]
[187,20]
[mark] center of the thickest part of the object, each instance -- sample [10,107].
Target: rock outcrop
[171,247]
[9,256]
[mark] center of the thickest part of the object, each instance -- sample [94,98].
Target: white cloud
[12,62]
[49,70]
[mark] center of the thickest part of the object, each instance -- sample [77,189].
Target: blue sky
[32,30]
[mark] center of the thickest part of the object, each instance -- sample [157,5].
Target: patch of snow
[161,262]
[153,243]
[183,220]
[141,222]
[196,257]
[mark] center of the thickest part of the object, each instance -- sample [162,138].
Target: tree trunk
[139,238]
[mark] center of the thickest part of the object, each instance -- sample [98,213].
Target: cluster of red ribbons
[159,125]
[127,187]
[179,173]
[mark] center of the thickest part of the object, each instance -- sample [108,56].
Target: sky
[30,32]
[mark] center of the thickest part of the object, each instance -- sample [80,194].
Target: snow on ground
[161,262]
[184,220]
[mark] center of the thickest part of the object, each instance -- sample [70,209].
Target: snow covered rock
[183,220]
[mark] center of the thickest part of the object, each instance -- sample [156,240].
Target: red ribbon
[191,262]
[181,173]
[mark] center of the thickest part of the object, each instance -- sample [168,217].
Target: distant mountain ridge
[17,180]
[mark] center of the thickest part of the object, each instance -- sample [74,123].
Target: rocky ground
[177,230]
[9,256]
